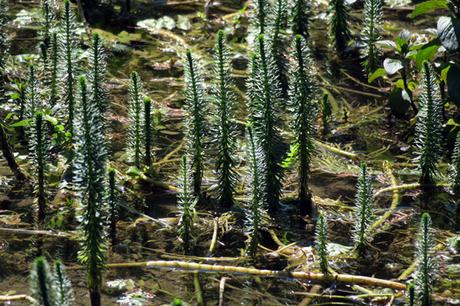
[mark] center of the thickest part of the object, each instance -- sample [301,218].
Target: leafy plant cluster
[83,111]
[50,287]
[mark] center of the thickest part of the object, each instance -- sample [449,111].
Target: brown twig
[17,297]
[37,232]
[312,276]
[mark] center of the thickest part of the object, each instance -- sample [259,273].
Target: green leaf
[376,74]
[15,96]
[402,40]
[22,123]
[451,122]
[290,160]
[400,83]
[392,65]
[444,73]
[51,119]
[428,6]
[412,54]
[133,171]
[449,32]
[453,84]
[412,85]
[426,54]
[386,44]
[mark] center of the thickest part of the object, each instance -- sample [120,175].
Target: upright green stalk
[224,134]
[261,16]
[278,43]
[4,44]
[339,31]
[33,102]
[39,152]
[90,174]
[455,167]
[45,65]
[4,47]
[364,211]
[148,132]
[252,99]
[303,94]
[47,25]
[112,201]
[326,113]
[321,238]
[64,291]
[265,100]
[68,46]
[54,70]
[411,294]
[373,13]
[195,106]
[428,129]
[301,18]
[97,76]
[42,284]
[187,203]
[255,211]
[136,120]
[425,272]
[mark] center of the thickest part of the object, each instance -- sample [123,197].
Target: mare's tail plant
[42,284]
[136,120]
[187,203]
[64,291]
[326,113]
[255,211]
[261,16]
[47,25]
[303,94]
[148,132]
[51,71]
[97,76]
[339,31]
[112,201]
[411,294]
[90,174]
[428,129]
[33,102]
[68,46]
[54,70]
[364,211]
[425,272]
[4,47]
[264,104]
[224,102]
[373,13]
[4,44]
[39,152]
[277,42]
[455,167]
[195,106]
[321,237]
[301,18]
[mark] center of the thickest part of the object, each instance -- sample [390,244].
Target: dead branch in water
[312,276]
